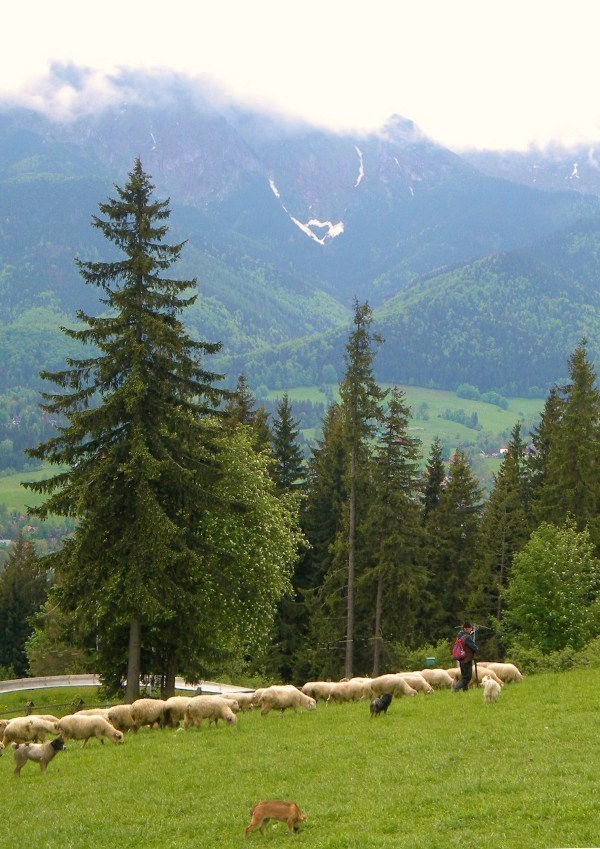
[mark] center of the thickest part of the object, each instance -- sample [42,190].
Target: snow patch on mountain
[361,166]
[326,229]
[330,230]
[574,175]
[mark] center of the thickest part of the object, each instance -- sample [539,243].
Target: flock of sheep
[27,734]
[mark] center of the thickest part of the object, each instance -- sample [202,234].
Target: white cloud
[500,73]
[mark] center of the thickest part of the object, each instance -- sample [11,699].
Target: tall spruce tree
[505,530]
[320,579]
[289,471]
[140,463]
[572,482]
[393,530]
[361,400]
[434,479]
[241,409]
[457,530]
[23,591]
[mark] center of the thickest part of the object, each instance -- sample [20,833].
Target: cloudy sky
[470,73]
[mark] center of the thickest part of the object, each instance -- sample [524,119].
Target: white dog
[491,689]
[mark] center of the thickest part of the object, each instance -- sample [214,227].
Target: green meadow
[438,771]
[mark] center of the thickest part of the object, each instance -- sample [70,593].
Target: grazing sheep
[245,701]
[348,691]
[39,753]
[284,696]
[212,708]
[491,689]
[92,712]
[25,729]
[478,675]
[454,672]
[505,671]
[174,710]
[438,678]
[393,684]
[318,690]
[148,712]
[417,682]
[75,727]
[120,717]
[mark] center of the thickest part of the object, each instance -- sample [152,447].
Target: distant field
[441,771]
[14,496]
[492,418]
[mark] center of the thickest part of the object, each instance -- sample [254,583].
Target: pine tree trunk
[169,679]
[377,644]
[132,690]
[351,534]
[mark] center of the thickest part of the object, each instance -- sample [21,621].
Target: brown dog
[287,812]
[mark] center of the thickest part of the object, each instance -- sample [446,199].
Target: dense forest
[203,541]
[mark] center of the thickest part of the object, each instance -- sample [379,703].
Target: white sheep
[417,682]
[318,690]
[393,684]
[347,691]
[438,678]
[174,710]
[245,701]
[120,717]
[212,708]
[148,712]
[283,696]
[507,672]
[491,689]
[103,712]
[73,727]
[24,729]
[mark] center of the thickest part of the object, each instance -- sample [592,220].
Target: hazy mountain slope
[507,322]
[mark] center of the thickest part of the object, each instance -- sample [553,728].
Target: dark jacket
[468,644]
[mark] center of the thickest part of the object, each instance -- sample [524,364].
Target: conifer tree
[289,469]
[393,530]
[319,581]
[361,400]
[458,544]
[240,409]
[505,530]
[572,482]
[434,479]
[23,590]
[141,464]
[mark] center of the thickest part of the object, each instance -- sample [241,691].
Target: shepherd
[466,662]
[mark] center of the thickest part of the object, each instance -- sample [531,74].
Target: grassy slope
[14,496]
[439,771]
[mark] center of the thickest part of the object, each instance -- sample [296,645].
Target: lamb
[438,678]
[491,689]
[120,717]
[24,729]
[40,753]
[284,696]
[75,727]
[212,708]
[393,684]
[148,712]
[417,682]
[318,690]
[505,671]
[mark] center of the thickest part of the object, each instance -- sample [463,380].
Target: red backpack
[458,649]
